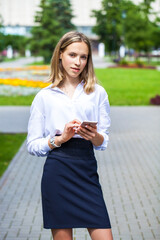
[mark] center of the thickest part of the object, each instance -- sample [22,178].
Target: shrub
[123,62]
[155,100]
[139,63]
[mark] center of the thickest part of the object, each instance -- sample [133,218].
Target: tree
[122,22]
[16,41]
[63,13]
[108,24]
[156,33]
[138,28]
[52,21]
[2,43]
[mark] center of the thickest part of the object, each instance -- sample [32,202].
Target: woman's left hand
[88,132]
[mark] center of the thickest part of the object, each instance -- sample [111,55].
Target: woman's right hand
[68,132]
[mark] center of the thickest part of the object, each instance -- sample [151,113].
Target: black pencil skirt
[71,193]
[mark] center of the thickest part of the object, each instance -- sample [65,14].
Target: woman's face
[74,59]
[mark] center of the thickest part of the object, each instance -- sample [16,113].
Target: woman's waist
[75,147]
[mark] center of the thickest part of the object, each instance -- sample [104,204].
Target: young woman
[71,193]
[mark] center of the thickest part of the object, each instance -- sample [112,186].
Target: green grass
[36,63]
[16,100]
[124,87]
[10,144]
[129,86]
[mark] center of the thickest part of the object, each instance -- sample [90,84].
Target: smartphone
[91,123]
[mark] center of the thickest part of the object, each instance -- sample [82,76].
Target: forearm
[38,147]
[58,141]
[98,139]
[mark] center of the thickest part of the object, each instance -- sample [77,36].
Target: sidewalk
[20,62]
[14,119]
[129,175]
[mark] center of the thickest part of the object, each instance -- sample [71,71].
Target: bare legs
[95,233]
[100,234]
[62,234]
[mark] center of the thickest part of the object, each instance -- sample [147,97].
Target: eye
[72,54]
[84,57]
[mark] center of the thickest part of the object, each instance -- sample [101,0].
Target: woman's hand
[90,133]
[68,132]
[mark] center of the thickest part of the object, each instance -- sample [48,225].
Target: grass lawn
[36,63]
[16,100]
[124,87]
[10,144]
[129,86]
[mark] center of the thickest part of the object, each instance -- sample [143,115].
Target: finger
[76,121]
[91,128]
[86,133]
[85,136]
[88,129]
[70,126]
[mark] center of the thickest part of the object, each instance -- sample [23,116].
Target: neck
[68,86]
[71,81]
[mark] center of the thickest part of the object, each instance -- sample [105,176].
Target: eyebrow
[84,54]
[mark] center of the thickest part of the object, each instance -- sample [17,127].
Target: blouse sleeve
[104,122]
[37,142]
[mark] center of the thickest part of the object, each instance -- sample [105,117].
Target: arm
[37,142]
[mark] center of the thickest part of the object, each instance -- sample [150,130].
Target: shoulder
[41,95]
[43,91]
[100,91]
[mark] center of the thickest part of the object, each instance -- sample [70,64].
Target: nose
[77,61]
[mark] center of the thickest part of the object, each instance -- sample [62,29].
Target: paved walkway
[129,174]
[20,62]
[14,119]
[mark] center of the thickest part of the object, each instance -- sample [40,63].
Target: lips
[76,69]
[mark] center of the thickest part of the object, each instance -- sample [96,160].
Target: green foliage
[17,42]
[1,21]
[123,22]
[123,62]
[2,42]
[52,21]
[9,146]
[63,13]
[156,32]
[108,24]
[138,28]
[139,62]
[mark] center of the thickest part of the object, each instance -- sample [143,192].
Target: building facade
[18,15]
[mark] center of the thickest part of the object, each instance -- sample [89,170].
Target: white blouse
[51,109]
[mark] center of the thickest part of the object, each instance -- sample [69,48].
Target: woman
[71,192]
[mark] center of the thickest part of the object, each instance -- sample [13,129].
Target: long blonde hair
[57,73]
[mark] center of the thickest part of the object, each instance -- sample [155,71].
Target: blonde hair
[57,73]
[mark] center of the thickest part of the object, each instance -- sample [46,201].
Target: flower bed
[43,67]
[16,86]
[8,90]
[133,66]
[23,82]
